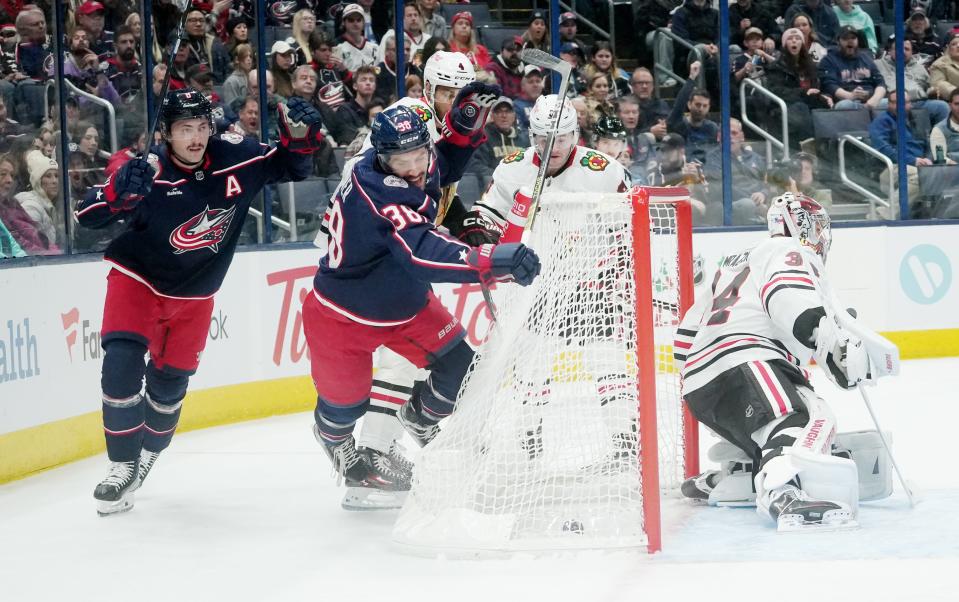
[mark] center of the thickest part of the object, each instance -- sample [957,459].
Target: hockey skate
[794,510]
[147,460]
[420,428]
[114,494]
[699,487]
[374,480]
[731,486]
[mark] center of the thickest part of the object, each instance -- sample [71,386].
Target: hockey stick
[184,7]
[885,445]
[539,58]
[834,315]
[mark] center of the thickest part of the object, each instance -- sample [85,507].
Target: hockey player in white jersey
[743,350]
[572,168]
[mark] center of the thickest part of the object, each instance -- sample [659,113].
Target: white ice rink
[250,512]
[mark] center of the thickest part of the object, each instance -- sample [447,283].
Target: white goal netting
[546,447]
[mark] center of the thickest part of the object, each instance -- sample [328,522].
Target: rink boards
[900,279]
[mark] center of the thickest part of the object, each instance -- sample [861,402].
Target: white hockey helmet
[451,69]
[543,115]
[801,217]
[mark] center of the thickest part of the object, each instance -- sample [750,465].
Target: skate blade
[734,503]
[794,523]
[364,498]
[124,504]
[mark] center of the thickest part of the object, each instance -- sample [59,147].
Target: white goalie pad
[736,487]
[823,477]
[872,462]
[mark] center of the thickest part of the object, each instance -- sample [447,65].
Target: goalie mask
[801,217]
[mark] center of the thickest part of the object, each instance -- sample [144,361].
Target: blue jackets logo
[206,230]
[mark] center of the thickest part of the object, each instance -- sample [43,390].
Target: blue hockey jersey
[182,236]
[383,246]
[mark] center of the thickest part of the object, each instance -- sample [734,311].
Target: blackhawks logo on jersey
[514,157]
[205,230]
[423,111]
[594,161]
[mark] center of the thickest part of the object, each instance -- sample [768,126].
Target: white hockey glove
[841,354]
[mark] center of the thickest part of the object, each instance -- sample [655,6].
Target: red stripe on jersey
[689,364]
[348,314]
[387,398]
[762,293]
[773,388]
[146,283]
[243,164]
[406,247]
[682,345]
[90,208]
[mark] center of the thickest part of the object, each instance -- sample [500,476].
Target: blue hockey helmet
[398,130]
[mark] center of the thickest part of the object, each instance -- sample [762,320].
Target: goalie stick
[539,58]
[848,322]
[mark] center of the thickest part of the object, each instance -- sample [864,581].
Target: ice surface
[249,512]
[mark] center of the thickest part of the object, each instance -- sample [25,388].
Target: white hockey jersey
[354,56]
[757,309]
[587,170]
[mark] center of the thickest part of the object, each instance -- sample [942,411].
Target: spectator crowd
[659,119]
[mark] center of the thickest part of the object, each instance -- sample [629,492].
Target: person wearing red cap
[567,28]
[91,16]
[463,39]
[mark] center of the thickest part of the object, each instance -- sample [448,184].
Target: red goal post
[647,202]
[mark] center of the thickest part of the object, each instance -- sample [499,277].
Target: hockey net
[569,423]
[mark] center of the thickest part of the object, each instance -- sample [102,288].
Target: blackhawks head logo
[594,161]
[514,157]
[424,112]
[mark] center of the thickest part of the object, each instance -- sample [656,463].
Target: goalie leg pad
[866,450]
[821,477]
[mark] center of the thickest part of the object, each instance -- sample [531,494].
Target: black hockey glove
[475,229]
[464,122]
[300,126]
[511,262]
[133,181]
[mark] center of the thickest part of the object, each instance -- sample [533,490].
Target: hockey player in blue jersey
[184,208]
[373,287]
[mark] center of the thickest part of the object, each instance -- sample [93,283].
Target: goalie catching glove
[300,126]
[505,263]
[127,187]
[841,354]
[464,122]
